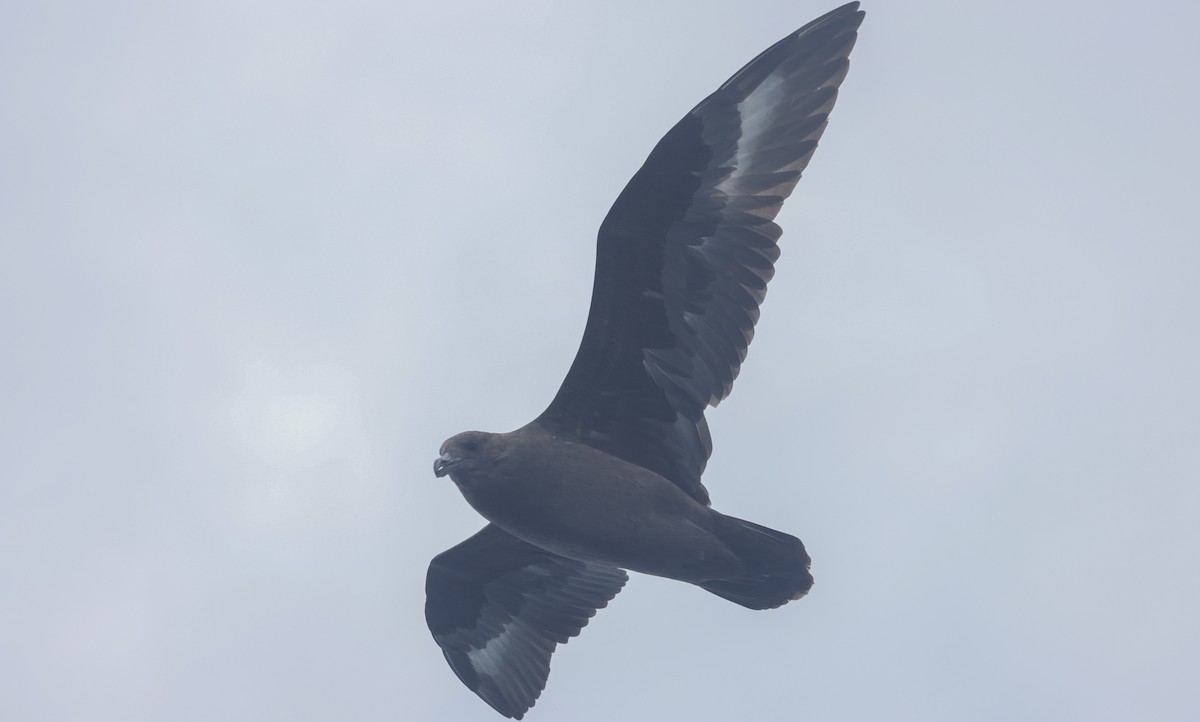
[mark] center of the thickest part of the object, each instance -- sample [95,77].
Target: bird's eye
[471,445]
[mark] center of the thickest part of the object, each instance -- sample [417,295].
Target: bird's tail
[776,570]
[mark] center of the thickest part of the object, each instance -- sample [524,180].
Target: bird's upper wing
[685,253]
[498,607]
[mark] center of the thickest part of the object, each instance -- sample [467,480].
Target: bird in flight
[607,478]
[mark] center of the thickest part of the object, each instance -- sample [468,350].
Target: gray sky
[260,259]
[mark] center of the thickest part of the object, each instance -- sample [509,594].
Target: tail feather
[776,569]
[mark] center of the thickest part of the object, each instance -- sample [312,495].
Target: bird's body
[608,477]
[594,507]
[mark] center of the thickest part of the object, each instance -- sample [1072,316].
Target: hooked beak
[443,464]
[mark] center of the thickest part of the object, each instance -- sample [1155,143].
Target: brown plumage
[607,478]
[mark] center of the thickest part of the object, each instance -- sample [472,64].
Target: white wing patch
[757,112]
[489,659]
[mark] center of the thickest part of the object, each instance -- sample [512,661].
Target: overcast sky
[261,258]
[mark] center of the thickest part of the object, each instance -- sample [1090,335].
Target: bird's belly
[682,556]
[620,526]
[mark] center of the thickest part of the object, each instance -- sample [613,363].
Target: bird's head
[465,453]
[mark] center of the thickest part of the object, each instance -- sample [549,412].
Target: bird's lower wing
[498,607]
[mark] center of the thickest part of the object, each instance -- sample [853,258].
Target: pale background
[261,258]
